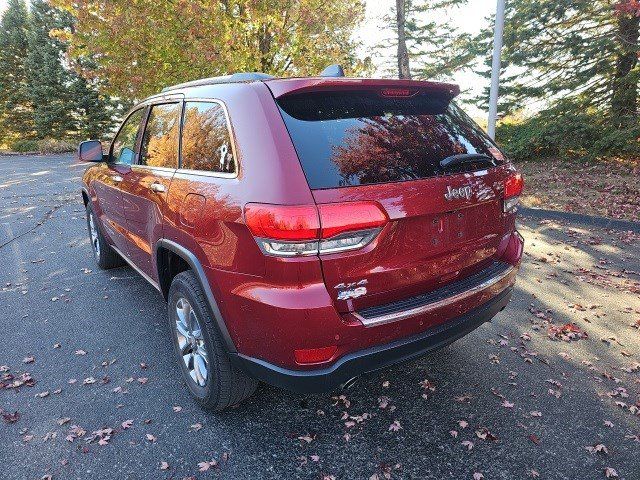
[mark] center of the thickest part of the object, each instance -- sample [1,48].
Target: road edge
[582,219]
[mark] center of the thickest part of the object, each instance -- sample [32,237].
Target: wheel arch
[166,252]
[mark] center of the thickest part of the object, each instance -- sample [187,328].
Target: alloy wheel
[95,239]
[191,342]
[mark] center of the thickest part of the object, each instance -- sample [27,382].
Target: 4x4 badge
[461,192]
[351,289]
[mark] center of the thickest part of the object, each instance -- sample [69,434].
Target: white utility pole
[495,69]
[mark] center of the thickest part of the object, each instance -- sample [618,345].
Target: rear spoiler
[290,86]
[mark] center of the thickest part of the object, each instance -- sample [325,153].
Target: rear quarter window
[345,139]
[206,142]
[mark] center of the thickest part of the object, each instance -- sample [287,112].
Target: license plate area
[458,226]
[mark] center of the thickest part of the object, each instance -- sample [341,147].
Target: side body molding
[195,265]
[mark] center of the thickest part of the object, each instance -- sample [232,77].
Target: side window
[160,140]
[124,145]
[206,144]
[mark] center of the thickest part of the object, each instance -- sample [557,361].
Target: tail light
[512,189]
[291,230]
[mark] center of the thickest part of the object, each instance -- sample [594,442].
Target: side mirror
[90,151]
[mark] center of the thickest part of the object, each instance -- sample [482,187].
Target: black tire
[105,256]
[225,385]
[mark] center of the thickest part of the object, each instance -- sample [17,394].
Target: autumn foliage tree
[141,49]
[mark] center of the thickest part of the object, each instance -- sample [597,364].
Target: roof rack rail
[235,78]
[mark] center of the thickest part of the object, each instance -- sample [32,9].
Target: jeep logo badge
[462,192]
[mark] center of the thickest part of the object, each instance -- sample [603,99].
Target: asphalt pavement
[90,388]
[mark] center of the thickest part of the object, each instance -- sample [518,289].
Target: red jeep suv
[304,231]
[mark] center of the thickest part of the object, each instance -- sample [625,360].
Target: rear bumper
[374,358]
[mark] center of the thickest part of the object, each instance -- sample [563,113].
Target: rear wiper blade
[463,158]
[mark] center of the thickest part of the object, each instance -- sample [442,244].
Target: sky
[471,18]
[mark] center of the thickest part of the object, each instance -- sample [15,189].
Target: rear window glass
[347,138]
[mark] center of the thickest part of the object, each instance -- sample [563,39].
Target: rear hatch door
[407,147]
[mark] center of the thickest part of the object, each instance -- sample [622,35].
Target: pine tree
[94,111]
[15,105]
[49,80]
[428,48]
[577,53]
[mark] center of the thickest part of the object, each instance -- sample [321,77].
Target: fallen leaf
[10,417]
[610,472]
[395,426]
[204,466]
[599,448]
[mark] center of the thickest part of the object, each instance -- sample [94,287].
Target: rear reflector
[287,231]
[315,355]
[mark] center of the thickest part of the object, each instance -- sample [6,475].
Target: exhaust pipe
[349,383]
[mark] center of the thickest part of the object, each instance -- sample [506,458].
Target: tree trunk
[403,54]
[264,46]
[624,99]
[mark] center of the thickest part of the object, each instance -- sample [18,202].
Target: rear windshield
[347,138]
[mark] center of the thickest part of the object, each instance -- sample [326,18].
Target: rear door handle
[116,178]
[157,187]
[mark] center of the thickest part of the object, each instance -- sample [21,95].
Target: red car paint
[285,310]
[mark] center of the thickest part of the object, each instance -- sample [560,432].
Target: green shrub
[50,145]
[24,145]
[47,145]
[567,131]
